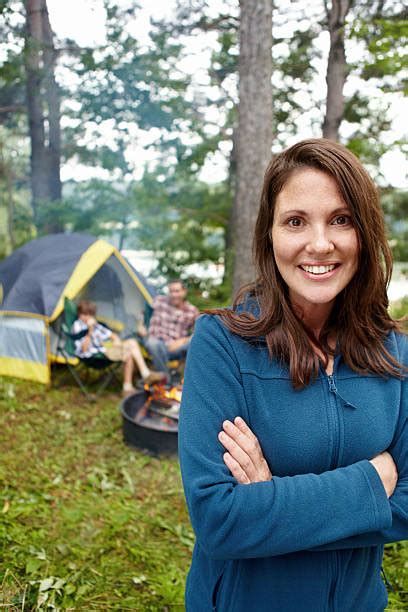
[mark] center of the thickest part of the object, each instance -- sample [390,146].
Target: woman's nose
[320,242]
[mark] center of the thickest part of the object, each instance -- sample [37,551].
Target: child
[100,339]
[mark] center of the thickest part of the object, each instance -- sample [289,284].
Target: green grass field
[87,523]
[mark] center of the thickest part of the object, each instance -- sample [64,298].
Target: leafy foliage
[16,223]
[199,213]
[384,32]
[395,203]
[400,311]
[378,30]
[124,86]
[124,94]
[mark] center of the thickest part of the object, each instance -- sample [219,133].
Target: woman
[293,431]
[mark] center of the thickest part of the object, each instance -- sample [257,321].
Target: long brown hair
[359,318]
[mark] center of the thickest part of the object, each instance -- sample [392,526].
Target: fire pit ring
[153,433]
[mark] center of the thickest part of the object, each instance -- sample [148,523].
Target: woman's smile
[319,271]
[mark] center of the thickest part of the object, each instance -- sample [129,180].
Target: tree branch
[12,108]
[222,22]
[326,9]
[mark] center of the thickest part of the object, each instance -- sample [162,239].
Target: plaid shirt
[171,323]
[99,335]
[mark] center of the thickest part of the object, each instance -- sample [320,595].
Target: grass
[86,523]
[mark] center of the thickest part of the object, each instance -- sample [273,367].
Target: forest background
[155,135]
[161,134]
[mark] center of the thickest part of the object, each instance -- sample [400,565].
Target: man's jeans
[160,355]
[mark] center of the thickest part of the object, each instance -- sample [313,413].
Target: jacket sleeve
[398,530]
[283,515]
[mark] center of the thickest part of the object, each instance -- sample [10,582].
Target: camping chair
[98,362]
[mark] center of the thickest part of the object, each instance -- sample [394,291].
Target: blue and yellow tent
[33,283]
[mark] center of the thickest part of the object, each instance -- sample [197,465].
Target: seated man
[100,339]
[170,326]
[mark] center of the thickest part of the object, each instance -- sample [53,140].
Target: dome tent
[35,279]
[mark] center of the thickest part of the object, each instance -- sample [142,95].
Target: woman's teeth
[318,269]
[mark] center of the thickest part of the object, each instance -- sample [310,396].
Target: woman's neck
[314,316]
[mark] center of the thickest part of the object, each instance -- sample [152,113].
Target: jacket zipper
[335,459]
[336,423]
[335,567]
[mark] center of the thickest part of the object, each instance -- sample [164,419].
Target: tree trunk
[33,50]
[43,113]
[53,104]
[336,67]
[10,211]
[7,175]
[231,226]
[254,138]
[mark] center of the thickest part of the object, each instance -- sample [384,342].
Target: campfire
[160,393]
[161,403]
[150,419]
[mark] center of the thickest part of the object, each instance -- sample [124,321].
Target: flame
[159,392]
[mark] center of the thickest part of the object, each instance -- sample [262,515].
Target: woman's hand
[244,457]
[387,471]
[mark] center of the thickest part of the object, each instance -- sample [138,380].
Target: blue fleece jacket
[312,538]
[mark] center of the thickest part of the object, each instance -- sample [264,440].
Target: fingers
[242,426]
[387,471]
[239,455]
[243,436]
[244,454]
[235,469]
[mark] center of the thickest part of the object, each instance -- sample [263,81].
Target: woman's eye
[342,220]
[294,222]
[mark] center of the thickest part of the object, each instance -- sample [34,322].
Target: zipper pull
[333,389]
[332,384]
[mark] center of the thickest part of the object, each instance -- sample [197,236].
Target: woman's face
[314,242]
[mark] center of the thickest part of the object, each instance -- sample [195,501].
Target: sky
[83,21]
